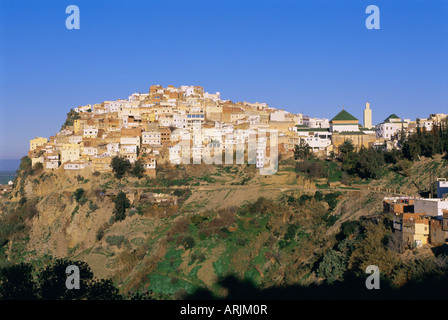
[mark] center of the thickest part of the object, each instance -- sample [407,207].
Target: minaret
[368,116]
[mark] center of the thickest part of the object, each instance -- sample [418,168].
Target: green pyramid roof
[343,116]
[392,116]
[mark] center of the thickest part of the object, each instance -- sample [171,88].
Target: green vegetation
[72,115]
[426,143]
[302,150]
[354,166]
[137,169]
[121,204]
[79,196]
[117,241]
[120,166]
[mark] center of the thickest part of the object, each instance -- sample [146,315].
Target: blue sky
[307,56]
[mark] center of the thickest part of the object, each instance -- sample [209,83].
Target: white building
[90,132]
[129,152]
[113,148]
[215,97]
[75,139]
[179,119]
[279,115]
[152,138]
[195,117]
[130,141]
[427,124]
[254,119]
[90,151]
[432,207]
[52,161]
[165,121]
[319,139]
[85,108]
[317,123]
[390,127]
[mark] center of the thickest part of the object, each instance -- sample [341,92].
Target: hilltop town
[191,221]
[151,127]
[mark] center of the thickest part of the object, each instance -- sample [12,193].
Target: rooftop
[343,116]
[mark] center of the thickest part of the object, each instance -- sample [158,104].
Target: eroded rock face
[64,226]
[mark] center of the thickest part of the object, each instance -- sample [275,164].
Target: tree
[411,149]
[121,204]
[370,163]
[52,280]
[332,266]
[103,289]
[16,283]
[120,166]
[138,169]
[346,147]
[79,196]
[349,162]
[302,150]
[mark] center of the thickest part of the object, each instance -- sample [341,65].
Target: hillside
[227,220]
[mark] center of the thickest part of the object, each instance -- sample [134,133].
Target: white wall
[432,207]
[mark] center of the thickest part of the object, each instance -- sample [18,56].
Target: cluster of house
[149,127]
[420,220]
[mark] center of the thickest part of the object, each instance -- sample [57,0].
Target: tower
[368,116]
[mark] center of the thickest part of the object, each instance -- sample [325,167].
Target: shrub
[318,196]
[100,234]
[188,242]
[79,196]
[241,242]
[92,206]
[115,240]
[75,210]
[197,219]
[180,226]
[120,166]
[350,227]
[137,169]
[312,169]
[291,232]
[121,204]
[332,266]
[331,199]
[345,178]
[38,167]
[199,257]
